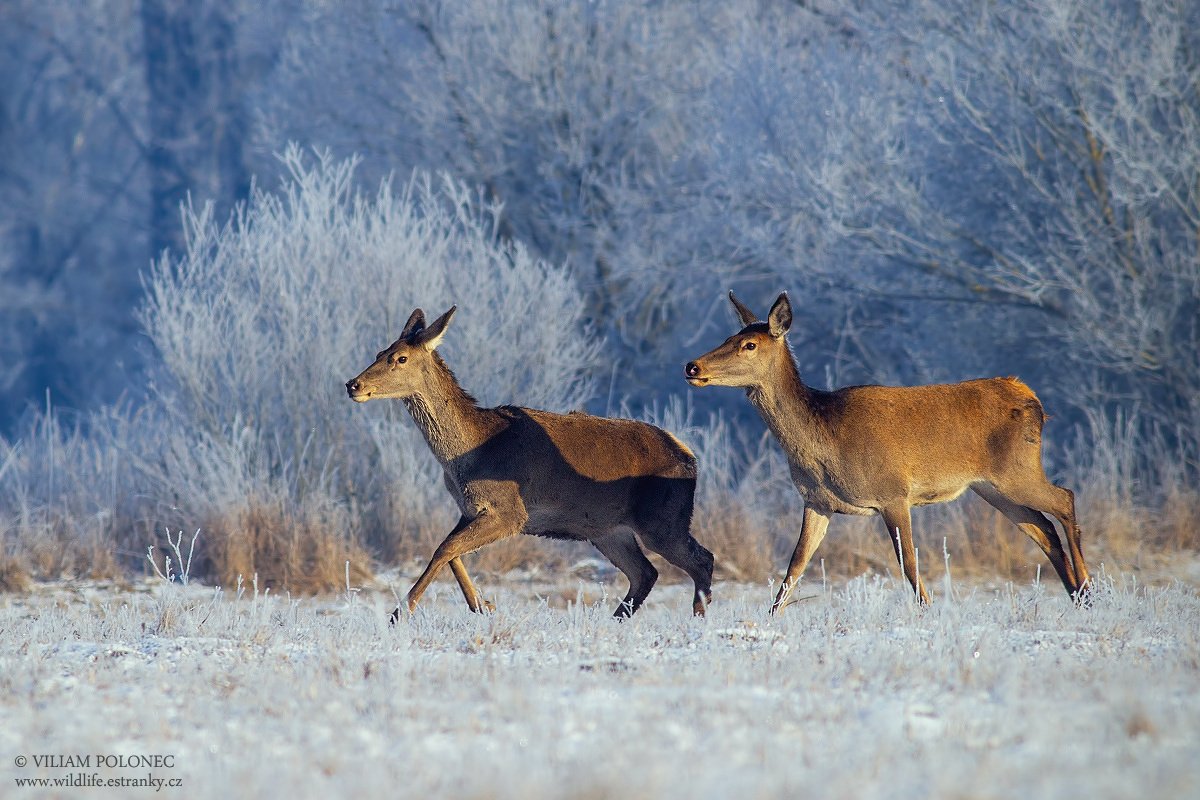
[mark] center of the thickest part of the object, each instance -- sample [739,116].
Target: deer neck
[787,406]
[448,417]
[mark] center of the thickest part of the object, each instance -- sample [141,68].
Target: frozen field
[852,693]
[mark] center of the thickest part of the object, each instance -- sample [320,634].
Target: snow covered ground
[853,692]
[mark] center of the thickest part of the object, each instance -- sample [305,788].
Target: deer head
[752,355]
[405,367]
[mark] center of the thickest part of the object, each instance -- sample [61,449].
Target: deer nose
[352,386]
[692,369]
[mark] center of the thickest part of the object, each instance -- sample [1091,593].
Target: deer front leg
[812,531]
[489,526]
[470,593]
[898,521]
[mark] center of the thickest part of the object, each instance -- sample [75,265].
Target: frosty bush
[259,323]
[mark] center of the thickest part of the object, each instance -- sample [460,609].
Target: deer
[514,470]
[873,449]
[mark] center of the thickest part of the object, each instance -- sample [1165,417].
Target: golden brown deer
[517,470]
[883,449]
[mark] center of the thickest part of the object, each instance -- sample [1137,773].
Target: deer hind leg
[490,526]
[621,548]
[898,521]
[812,531]
[665,528]
[676,545]
[1037,527]
[1046,497]
[1064,512]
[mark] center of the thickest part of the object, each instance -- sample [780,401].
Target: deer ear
[431,337]
[744,314]
[416,322]
[779,321]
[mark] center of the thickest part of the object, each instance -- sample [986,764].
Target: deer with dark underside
[883,449]
[515,470]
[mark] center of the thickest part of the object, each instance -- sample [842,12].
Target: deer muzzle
[693,374]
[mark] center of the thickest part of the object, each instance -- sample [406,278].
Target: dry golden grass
[286,553]
[1178,520]
[750,542]
[55,548]
[1148,541]
[14,577]
[744,551]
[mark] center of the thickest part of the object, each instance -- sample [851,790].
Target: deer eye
[749,346]
[402,359]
